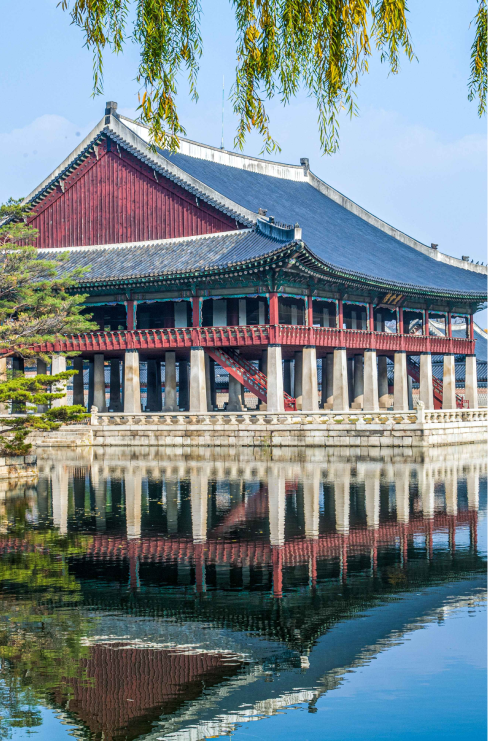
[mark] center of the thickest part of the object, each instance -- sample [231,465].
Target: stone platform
[354,430]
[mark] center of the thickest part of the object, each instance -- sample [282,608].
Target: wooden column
[130,316]
[371,317]
[449,325]
[400,321]
[340,314]
[309,311]
[273,308]
[471,327]
[195,309]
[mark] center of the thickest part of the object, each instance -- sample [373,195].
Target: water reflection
[165,597]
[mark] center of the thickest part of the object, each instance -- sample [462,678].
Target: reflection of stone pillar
[198,385]
[449,383]
[133,502]
[298,389]
[60,499]
[276,503]
[473,486]
[427,490]
[154,396]
[371,401]
[400,383]
[235,493]
[310,389]
[183,386]
[358,382]
[172,505]
[41,370]
[311,496]
[341,393]
[199,506]
[275,379]
[235,395]
[99,382]
[372,497]
[170,404]
[132,383]
[402,495]
[100,489]
[426,390]
[471,383]
[342,498]
[451,487]
[58,365]
[383,395]
[78,384]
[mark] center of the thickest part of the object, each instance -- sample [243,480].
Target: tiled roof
[168,256]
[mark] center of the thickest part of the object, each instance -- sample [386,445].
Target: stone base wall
[18,467]
[296,430]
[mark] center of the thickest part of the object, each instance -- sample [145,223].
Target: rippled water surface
[158,596]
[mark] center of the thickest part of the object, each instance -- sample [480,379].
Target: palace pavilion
[207,260]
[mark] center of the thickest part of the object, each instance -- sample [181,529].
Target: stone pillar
[132,383]
[41,370]
[78,384]
[154,401]
[235,395]
[372,496]
[287,377]
[275,380]
[341,394]
[400,383]
[199,506]
[358,382]
[171,505]
[58,365]
[426,390]
[370,398]
[133,502]
[309,380]
[277,504]
[328,387]
[471,382]
[449,383]
[350,380]
[183,386]
[170,402]
[198,381]
[298,387]
[99,382]
[383,395]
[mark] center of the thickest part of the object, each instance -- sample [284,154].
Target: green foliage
[478,79]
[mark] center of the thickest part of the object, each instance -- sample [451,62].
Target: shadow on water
[162,595]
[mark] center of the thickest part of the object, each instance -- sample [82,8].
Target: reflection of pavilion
[261,567]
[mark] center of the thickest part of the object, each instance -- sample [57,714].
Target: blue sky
[416,156]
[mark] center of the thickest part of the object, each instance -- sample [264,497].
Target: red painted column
[273,308]
[471,327]
[371,317]
[341,314]
[195,307]
[400,321]
[130,315]
[309,311]
[449,325]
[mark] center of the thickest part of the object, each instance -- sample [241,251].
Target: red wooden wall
[113,197]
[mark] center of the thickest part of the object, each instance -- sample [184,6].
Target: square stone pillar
[358,392]
[99,382]
[298,383]
[449,383]
[235,395]
[370,398]
[58,365]
[170,402]
[341,392]
[426,390]
[383,395]
[400,383]
[132,382]
[275,380]
[115,401]
[154,400]
[309,380]
[78,385]
[198,381]
[471,382]
[41,370]
[328,381]
[183,386]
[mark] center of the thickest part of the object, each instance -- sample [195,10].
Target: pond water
[157,595]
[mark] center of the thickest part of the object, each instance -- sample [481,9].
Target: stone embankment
[17,467]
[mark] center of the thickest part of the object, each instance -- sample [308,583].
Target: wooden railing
[257,336]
